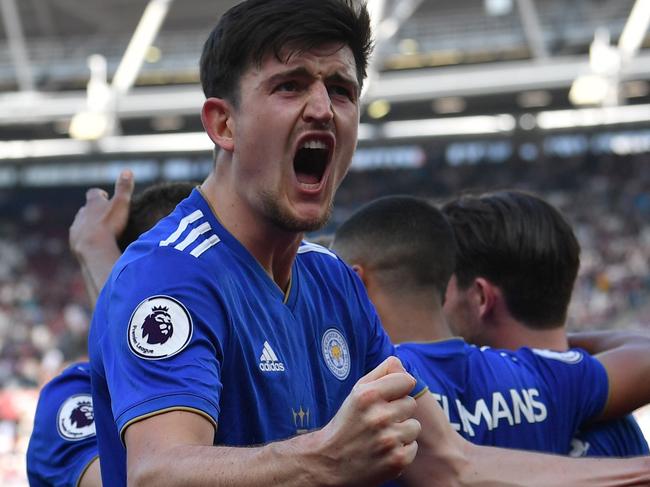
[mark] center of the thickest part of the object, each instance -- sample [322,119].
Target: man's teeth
[314,144]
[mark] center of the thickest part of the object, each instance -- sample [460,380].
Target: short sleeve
[63,440]
[163,344]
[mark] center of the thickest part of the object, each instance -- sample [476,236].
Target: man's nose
[319,105]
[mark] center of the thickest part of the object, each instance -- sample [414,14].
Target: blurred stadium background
[546,95]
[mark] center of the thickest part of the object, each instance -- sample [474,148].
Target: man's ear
[360,272]
[216,116]
[487,294]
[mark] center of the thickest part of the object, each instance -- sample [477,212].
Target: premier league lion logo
[158,327]
[82,415]
[75,419]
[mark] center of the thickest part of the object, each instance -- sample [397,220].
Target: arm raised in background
[370,440]
[445,458]
[94,231]
[626,357]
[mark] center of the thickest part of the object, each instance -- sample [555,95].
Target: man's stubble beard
[287,222]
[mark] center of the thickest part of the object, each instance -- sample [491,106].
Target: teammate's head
[404,241]
[251,30]
[149,206]
[522,245]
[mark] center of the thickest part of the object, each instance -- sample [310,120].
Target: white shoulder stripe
[205,245]
[193,235]
[311,247]
[191,218]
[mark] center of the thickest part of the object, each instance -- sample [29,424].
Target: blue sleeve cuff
[163,404]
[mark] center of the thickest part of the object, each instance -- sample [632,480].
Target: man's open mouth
[310,161]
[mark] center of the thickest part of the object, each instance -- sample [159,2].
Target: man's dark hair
[251,30]
[523,245]
[406,241]
[149,206]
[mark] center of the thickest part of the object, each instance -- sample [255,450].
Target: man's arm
[95,229]
[369,441]
[445,458]
[626,357]
[91,476]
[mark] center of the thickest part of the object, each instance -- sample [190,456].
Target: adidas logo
[269,360]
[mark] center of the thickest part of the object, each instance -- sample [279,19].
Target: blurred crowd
[44,312]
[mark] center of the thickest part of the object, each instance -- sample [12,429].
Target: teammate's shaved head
[405,241]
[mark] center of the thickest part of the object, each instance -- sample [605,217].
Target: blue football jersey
[63,441]
[526,399]
[189,320]
[619,438]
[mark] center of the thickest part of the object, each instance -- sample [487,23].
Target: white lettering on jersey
[481,411]
[499,410]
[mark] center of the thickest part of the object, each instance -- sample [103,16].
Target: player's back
[527,399]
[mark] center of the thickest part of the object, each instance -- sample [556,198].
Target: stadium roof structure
[442,66]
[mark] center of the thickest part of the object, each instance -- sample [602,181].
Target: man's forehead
[328,59]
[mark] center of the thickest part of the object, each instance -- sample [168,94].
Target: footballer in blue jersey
[63,443]
[617,438]
[526,399]
[404,250]
[517,254]
[168,334]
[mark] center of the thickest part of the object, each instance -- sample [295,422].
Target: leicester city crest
[75,419]
[336,353]
[159,327]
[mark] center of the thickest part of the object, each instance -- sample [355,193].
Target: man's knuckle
[366,397]
[388,442]
[380,419]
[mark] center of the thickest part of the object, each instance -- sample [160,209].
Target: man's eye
[287,86]
[338,90]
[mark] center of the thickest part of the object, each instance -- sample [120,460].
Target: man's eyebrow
[299,72]
[302,72]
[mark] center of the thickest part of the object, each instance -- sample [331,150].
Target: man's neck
[413,319]
[517,335]
[275,250]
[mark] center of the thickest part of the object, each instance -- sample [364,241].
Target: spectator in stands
[516,263]
[403,249]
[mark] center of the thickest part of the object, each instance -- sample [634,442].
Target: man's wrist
[312,465]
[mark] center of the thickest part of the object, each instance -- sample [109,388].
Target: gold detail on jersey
[301,419]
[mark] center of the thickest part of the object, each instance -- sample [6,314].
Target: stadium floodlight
[589,89]
[600,85]
[99,119]
[607,62]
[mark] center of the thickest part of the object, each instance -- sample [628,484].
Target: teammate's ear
[486,296]
[217,119]
[359,271]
